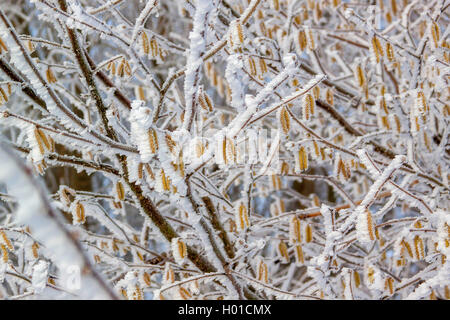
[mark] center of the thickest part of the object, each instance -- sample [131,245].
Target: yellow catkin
[146,278]
[308,233]
[120,191]
[260,14]
[284,120]
[205,101]
[357,279]
[232,226]
[229,151]
[302,159]
[252,66]
[383,105]
[263,28]
[153,140]
[3,46]
[336,3]
[184,293]
[283,251]
[35,249]
[400,262]
[276,182]
[140,93]
[117,204]
[148,171]
[209,68]
[40,135]
[272,32]
[316,149]
[422,102]
[4,251]
[390,52]
[316,200]
[182,249]
[316,94]
[199,149]
[394,7]
[377,48]
[162,54]
[127,68]
[240,32]
[181,164]
[121,68]
[340,168]
[50,76]
[433,295]
[6,241]
[51,143]
[262,66]
[359,74]
[284,168]
[274,209]
[407,246]
[40,167]
[208,102]
[171,144]
[317,12]
[281,205]
[435,34]
[65,196]
[398,125]
[169,275]
[418,248]
[299,256]
[224,151]
[3,95]
[242,220]
[308,106]
[301,40]
[140,256]
[164,181]
[276,5]
[310,39]
[145,42]
[236,36]
[114,245]
[377,236]
[154,49]
[294,230]
[370,225]
[329,96]
[263,274]
[112,68]
[426,141]
[305,13]
[80,213]
[371,275]
[389,285]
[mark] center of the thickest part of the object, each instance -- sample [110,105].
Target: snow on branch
[224,149]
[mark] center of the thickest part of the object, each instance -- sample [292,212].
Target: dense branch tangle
[262,149]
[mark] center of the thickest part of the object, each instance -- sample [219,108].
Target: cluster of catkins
[224,149]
